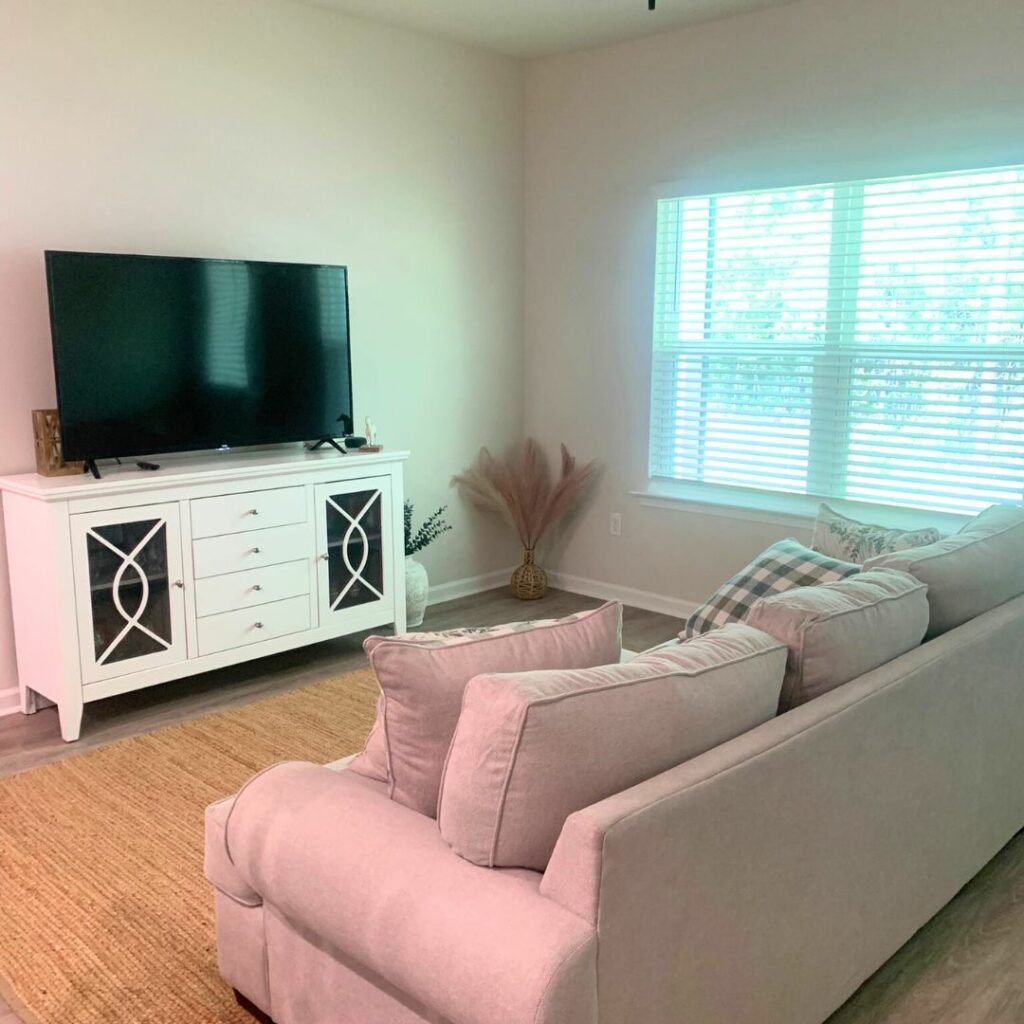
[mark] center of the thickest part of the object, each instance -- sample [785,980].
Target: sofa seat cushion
[375,881]
[969,573]
[422,676]
[783,566]
[838,631]
[531,748]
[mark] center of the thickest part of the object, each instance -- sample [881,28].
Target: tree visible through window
[861,340]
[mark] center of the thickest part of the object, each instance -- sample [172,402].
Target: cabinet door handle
[180,584]
[325,557]
[254,511]
[256,586]
[258,625]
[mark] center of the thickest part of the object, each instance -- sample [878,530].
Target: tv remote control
[147,465]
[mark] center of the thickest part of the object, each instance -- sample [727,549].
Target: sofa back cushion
[533,747]
[969,573]
[422,676]
[783,566]
[838,631]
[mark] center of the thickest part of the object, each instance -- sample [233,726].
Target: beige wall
[819,90]
[267,129]
[274,130]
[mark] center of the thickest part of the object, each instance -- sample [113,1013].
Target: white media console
[143,577]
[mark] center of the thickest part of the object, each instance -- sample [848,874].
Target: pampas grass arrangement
[519,488]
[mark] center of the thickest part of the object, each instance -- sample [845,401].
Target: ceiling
[533,28]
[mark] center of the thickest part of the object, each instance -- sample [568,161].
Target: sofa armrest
[375,880]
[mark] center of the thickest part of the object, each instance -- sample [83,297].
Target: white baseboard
[677,607]
[674,606]
[470,585]
[9,701]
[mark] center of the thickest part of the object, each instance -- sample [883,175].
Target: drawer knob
[180,584]
[256,586]
[254,511]
[325,557]
[258,625]
[255,551]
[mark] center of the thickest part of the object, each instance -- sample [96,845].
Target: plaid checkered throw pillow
[783,566]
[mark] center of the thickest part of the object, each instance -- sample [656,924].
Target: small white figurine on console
[370,431]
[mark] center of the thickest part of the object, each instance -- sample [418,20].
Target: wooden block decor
[49,460]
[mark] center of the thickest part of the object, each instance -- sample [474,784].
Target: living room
[734,258]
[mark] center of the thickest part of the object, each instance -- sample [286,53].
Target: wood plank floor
[965,967]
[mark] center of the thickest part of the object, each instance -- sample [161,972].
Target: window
[861,340]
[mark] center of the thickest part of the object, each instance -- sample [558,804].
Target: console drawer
[253,510]
[252,625]
[236,590]
[215,556]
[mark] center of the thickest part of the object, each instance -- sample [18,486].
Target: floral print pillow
[842,537]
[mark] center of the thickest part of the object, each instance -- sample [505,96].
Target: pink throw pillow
[531,749]
[422,677]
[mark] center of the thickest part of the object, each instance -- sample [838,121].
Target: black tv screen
[163,354]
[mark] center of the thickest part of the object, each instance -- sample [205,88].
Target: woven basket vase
[529,581]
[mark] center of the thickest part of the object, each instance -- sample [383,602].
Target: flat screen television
[166,354]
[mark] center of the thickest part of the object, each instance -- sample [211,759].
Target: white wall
[275,130]
[269,129]
[819,90]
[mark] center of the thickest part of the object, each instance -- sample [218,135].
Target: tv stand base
[327,440]
[90,465]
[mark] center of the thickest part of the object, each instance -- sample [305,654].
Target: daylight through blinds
[861,340]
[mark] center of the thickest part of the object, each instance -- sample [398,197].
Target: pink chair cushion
[534,747]
[422,677]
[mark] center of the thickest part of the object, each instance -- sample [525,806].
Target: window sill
[786,510]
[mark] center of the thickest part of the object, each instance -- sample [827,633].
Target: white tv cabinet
[144,576]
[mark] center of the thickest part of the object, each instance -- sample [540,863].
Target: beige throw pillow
[840,536]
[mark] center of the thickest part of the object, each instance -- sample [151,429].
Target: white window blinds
[860,340]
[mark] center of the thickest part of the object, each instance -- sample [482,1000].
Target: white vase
[417,587]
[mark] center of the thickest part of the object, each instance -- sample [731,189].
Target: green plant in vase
[417,583]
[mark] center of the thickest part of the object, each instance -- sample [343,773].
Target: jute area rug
[104,912]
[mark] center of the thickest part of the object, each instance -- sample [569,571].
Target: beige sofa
[759,883]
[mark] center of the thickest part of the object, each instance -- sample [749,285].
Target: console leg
[252,1009]
[70,712]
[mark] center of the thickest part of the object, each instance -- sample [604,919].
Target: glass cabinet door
[355,562]
[129,590]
